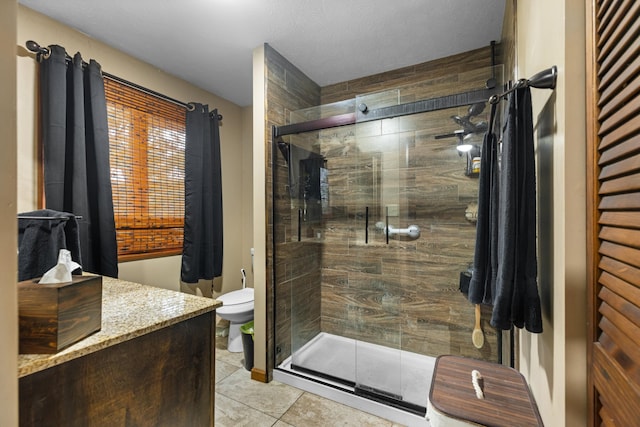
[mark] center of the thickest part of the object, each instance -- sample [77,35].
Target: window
[146,141]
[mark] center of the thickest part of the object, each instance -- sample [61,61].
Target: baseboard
[259,375]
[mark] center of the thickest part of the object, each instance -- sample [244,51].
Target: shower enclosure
[374,230]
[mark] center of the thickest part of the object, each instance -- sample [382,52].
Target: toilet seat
[236,301]
[237,297]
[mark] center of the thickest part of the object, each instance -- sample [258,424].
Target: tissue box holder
[54,316]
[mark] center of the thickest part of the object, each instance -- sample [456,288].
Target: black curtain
[75,137]
[202,250]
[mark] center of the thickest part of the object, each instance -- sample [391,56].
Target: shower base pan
[396,383]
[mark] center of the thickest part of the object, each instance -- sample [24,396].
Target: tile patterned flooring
[240,401]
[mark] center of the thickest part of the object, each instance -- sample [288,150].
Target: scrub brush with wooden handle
[478,336]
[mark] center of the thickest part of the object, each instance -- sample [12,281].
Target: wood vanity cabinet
[160,378]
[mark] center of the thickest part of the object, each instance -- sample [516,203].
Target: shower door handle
[366,225]
[412,231]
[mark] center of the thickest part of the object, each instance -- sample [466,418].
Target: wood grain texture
[614,281]
[160,379]
[437,69]
[507,401]
[54,316]
[620,396]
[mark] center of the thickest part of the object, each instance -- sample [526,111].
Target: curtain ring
[46,52]
[191,106]
[43,53]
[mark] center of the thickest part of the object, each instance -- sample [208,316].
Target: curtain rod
[43,51]
[545,79]
[48,218]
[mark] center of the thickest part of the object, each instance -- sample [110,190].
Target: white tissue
[61,273]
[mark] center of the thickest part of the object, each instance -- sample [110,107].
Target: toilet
[237,308]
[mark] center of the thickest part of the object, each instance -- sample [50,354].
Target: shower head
[466,124]
[475,109]
[460,120]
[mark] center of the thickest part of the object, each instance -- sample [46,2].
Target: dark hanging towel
[202,250]
[516,300]
[40,239]
[485,263]
[77,176]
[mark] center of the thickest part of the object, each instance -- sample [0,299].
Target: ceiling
[210,42]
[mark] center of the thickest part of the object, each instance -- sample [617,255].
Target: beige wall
[553,32]
[8,231]
[247,192]
[162,272]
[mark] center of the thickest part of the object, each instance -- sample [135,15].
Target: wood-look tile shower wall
[297,265]
[404,294]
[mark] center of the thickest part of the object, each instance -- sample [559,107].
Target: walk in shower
[374,213]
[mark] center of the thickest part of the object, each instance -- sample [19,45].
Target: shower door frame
[409,108]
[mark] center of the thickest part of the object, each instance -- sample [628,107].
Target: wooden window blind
[613,116]
[147,142]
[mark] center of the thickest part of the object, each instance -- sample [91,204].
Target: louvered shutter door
[613,118]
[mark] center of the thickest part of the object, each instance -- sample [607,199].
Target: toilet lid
[237,297]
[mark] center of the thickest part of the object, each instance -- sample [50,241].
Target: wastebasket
[247,344]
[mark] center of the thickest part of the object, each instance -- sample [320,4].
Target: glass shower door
[316,246]
[376,188]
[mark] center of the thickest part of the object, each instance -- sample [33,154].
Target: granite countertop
[128,311]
